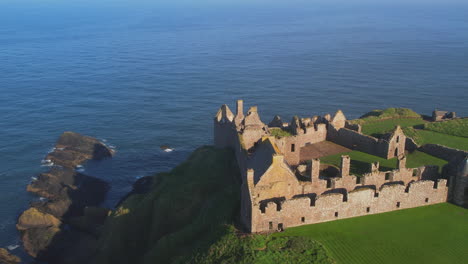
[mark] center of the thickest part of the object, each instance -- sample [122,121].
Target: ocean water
[143,75]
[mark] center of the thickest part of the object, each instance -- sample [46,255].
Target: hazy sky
[243,2]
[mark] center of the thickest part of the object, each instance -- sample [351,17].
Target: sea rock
[33,218]
[37,240]
[47,227]
[7,258]
[56,183]
[164,147]
[38,230]
[73,149]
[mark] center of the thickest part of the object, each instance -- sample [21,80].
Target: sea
[141,74]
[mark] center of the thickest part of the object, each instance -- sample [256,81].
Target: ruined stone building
[284,183]
[438,115]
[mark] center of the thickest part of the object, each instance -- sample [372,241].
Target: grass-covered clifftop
[389,113]
[188,216]
[186,210]
[451,133]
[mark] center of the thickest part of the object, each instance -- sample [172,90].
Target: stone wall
[291,146]
[392,145]
[333,206]
[443,152]
[276,194]
[354,140]
[279,189]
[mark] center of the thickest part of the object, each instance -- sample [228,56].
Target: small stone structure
[442,115]
[281,190]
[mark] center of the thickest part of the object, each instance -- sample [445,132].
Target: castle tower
[296,126]
[239,113]
[223,130]
[253,129]
[345,165]
[315,170]
[339,120]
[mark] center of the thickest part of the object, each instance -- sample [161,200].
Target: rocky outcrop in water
[7,258]
[63,227]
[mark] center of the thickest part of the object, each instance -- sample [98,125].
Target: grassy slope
[360,161]
[430,235]
[187,217]
[185,211]
[376,115]
[425,137]
[377,129]
[252,249]
[457,127]
[452,133]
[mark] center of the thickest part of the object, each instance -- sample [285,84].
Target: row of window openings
[336,214]
[387,177]
[293,147]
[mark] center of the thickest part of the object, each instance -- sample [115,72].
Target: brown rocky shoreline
[7,258]
[64,227]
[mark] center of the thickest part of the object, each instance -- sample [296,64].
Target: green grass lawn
[377,129]
[457,127]
[427,235]
[279,132]
[360,161]
[418,159]
[425,137]
[389,113]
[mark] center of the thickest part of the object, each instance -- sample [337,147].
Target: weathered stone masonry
[281,190]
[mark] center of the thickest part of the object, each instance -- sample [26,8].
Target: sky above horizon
[232,2]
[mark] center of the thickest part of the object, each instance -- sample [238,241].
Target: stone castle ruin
[284,183]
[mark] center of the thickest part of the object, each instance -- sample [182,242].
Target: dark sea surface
[141,76]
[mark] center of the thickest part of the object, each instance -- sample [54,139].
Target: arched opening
[396,152]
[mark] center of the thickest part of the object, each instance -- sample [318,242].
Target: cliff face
[64,224]
[183,211]
[188,216]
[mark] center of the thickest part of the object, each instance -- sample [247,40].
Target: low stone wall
[443,152]
[333,206]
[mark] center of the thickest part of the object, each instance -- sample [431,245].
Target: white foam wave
[80,168]
[42,199]
[47,163]
[34,178]
[169,150]
[12,247]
